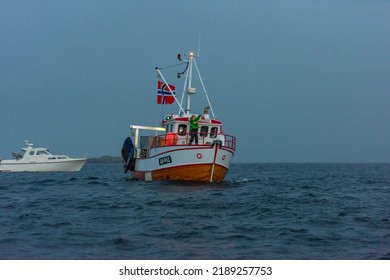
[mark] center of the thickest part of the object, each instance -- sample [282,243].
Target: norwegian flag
[165,93]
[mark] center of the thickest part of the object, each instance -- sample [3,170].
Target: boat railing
[173,139]
[230,142]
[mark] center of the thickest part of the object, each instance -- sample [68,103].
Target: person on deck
[194,129]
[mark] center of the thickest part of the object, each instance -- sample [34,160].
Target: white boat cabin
[43,153]
[39,154]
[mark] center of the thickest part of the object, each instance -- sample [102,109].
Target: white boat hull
[192,163]
[68,165]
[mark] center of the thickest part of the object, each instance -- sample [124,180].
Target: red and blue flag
[165,93]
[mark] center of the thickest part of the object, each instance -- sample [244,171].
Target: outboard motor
[128,155]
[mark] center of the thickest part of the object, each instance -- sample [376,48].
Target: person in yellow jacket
[194,129]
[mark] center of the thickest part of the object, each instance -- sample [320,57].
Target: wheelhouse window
[182,129]
[204,130]
[169,128]
[42,153]
[214,132]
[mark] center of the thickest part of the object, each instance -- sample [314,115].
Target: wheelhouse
[208,131]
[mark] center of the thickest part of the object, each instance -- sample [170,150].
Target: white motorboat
[40,160]
[168,152]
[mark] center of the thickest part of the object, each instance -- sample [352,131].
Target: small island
[105,159]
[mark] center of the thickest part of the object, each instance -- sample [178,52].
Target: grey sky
[292,80]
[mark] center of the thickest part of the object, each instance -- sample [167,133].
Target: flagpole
[159,74]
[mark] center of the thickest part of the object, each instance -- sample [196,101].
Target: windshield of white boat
[43,153]
[40,153]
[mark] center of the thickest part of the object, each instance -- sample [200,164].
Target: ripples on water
[261,211]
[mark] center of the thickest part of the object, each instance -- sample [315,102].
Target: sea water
[261,211]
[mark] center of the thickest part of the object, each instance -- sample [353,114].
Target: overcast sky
[294,81]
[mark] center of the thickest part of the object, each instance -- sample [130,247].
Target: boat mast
[190,90]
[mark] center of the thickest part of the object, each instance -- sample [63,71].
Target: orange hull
[199,172]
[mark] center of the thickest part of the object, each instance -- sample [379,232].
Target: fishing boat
[40,160]
[174,151]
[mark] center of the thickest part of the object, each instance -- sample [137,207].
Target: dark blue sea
[261,211]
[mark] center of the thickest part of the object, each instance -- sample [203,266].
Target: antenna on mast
[200,33]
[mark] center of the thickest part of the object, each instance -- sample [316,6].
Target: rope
[170,66]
